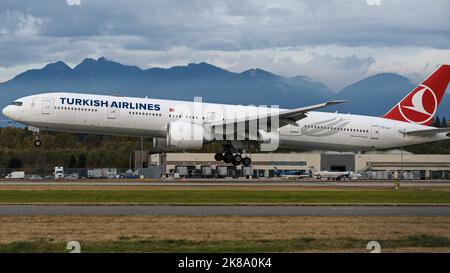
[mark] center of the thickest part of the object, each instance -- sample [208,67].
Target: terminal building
[377,165]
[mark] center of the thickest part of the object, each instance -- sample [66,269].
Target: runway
[192,183]
[251,210]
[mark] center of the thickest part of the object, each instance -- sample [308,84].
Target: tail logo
[420,106]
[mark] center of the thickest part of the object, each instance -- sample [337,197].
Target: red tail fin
[421,104]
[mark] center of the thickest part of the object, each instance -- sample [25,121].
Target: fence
[74,173]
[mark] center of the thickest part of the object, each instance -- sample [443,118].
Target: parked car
[72,176]
[34,176]
[129,174]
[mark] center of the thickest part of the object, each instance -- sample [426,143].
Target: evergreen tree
[72,161]
[436,122]
[82,161]
[14,163]
[443,122]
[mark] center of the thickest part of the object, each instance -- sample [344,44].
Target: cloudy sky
[333,41]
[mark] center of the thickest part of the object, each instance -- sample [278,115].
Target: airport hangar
[372,165]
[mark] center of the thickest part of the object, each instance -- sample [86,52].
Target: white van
[16,175]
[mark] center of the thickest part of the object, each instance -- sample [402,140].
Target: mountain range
[374,95]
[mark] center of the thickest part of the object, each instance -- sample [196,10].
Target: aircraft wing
[291,116]
[425,132]
[285,117]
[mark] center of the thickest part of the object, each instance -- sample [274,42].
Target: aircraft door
[295,130]
[375,134]
[210,116]
[46,107]
[112,112]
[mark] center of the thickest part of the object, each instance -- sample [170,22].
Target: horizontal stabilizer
[425,132]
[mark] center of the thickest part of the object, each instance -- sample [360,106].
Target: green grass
[226,196]
[186,246]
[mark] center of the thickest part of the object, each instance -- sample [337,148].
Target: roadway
[250,210]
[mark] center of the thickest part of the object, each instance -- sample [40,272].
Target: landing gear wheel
[37,143]
[236,160]
[246,161]
[218,156]
[227,157]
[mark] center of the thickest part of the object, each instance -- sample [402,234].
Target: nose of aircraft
[11,113]
[7,111]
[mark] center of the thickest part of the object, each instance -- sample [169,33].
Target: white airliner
[183,125]
[333,175]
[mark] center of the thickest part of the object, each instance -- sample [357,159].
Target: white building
[266,164]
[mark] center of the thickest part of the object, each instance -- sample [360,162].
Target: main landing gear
[235,159]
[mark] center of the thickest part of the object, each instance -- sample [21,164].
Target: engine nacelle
[160,143]
[184,136]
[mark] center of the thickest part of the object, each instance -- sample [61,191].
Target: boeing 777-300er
[184,125]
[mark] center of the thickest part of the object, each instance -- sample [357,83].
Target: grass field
[194,196]
[425,243]
[223,234]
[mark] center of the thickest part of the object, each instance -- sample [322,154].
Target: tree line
[65,149]
[439,123]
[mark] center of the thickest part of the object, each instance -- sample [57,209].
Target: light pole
[129,162]
[142,157]
[401,161]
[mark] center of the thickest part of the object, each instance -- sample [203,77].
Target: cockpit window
[16,103]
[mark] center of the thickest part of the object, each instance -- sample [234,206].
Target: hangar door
[337,162]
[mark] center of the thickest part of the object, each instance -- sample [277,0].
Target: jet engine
[185,135]
[160,143]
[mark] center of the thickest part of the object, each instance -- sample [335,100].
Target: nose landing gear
[37,141]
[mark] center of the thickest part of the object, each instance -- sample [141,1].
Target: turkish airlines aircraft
[183,125]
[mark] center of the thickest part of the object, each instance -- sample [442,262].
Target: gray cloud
[140,32]
[337,70]
[233,25]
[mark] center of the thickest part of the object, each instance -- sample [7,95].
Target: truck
[16,175]
[59,173]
